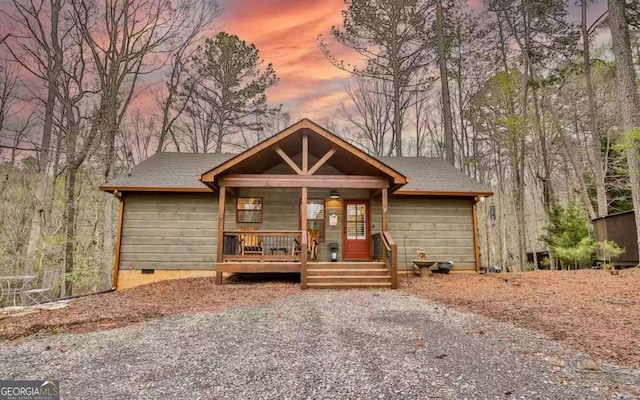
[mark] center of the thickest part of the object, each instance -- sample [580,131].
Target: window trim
[238,209]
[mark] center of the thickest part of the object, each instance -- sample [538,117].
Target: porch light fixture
[334,194]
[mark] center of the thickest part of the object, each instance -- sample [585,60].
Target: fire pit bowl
[444,267]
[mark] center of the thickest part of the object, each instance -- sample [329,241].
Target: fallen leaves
[120,308]
[591,310]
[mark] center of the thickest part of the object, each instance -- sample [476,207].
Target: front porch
[285,202]
[283,251]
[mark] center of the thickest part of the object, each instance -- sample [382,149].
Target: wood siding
[442,226]
[179,230]
[169,231]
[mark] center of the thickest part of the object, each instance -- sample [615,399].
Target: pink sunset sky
[286,34]
[286,31]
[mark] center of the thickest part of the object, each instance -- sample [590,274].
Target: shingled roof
[169,170]
[434,175]
[179,171]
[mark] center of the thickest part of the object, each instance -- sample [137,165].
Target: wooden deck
[263,251]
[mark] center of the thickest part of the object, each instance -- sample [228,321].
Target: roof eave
[172,189]
[407,192]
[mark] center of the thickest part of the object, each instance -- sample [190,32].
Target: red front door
[356,235]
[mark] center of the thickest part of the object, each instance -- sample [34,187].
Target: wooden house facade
[303,201]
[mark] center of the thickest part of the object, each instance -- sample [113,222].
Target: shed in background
[619,228]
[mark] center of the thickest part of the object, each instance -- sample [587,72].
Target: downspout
[116,263]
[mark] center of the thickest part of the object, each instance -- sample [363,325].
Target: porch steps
[348,275]
[346,265]
[364,272]
[370,285]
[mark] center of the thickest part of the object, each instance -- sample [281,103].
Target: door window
[356,221]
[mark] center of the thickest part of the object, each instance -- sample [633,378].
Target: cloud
[286,34]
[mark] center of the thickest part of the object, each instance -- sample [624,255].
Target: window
[315,216]
[356,221]
[249,209]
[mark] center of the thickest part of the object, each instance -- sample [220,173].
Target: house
[621,229]
[303,190]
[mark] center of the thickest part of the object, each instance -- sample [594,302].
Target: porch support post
[304,240]
[385,210]
[220,243]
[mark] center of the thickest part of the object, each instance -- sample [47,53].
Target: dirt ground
[114,309]
[591,310]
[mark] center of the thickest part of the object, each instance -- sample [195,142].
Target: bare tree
[79,134]
[628,97]
[135,139]
[125,39]
[447,117]
[370,112]
[268,125]
[599,167]
[202,16]
[37,48]
[19,134]
[8,96]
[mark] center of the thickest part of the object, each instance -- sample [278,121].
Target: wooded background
[537,102]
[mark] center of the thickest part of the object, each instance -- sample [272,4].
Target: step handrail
[389,255]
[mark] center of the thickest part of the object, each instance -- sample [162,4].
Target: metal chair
[41,294]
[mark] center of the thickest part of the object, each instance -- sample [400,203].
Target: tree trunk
[582,186]
[70,225]
[628,98]
[519,170]
[598,164]
[444,82]
[547,188]
[38,217]
[397,120]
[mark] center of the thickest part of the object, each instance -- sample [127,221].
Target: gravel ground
[317,344]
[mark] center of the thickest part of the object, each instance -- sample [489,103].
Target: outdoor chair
[313,237]
[250,243]
[41,293]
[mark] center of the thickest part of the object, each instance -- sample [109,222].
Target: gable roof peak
[334,142]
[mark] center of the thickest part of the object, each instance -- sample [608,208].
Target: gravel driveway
[316,344]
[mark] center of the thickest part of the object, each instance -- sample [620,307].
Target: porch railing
[386,250]
[262,245]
